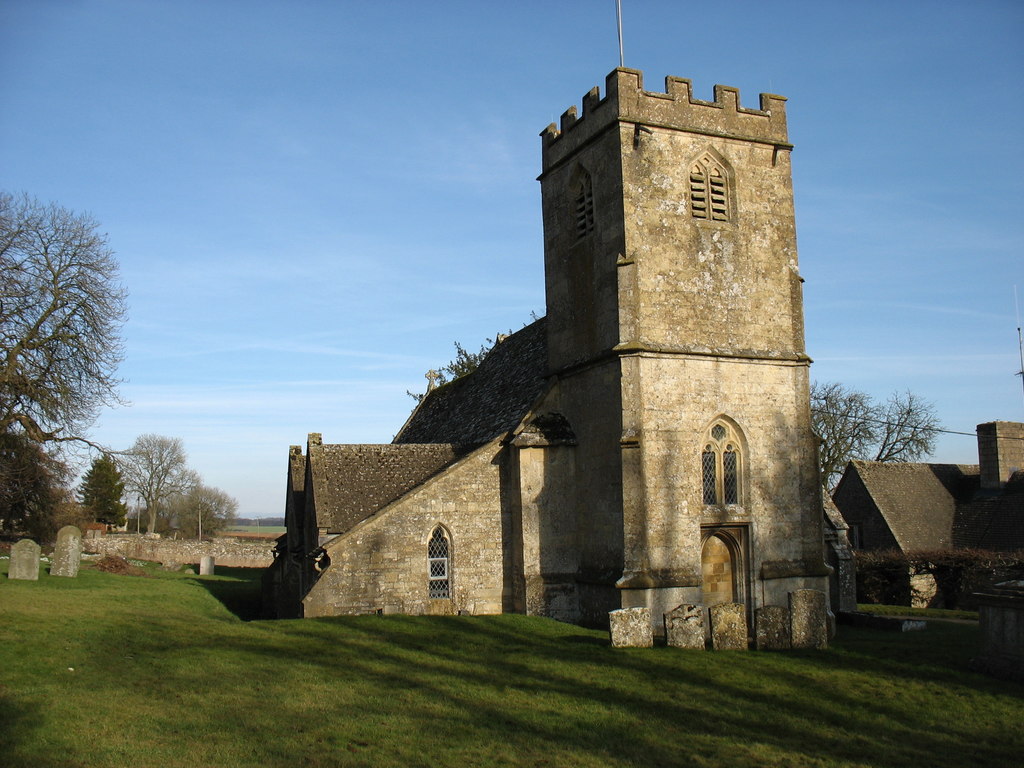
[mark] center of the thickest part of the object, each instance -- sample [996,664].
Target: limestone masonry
[647,444]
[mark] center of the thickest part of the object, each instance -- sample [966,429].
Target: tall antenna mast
[1020,340]
[618,20]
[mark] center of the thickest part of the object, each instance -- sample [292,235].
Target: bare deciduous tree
[155,469]
[851,425]
[61,312]
[202,511]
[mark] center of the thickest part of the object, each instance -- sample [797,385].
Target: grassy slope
[165,675]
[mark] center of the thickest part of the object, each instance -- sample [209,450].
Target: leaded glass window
[709,463]
[730,475]
[438,565]
[721,466]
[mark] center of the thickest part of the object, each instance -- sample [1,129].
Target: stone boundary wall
[230,553]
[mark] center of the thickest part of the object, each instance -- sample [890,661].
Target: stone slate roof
[490,401]
[993,520]
[918,501]
[351,482]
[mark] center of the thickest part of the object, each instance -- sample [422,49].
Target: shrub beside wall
[885,576]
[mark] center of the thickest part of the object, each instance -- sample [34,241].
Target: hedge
[884,576]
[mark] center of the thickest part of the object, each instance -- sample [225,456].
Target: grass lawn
[924,613]
[107,670]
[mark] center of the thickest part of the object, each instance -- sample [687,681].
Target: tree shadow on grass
[238,589]
[19,723]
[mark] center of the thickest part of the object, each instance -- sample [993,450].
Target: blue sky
[311,201]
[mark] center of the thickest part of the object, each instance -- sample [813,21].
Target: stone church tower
[647,444]
[675,336]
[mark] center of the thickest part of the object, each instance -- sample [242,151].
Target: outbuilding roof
[917,501]
[351,482]
[993,521]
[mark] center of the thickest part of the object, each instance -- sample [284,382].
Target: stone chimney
[1000,451]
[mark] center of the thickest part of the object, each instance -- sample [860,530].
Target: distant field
[109,671]
[256,529]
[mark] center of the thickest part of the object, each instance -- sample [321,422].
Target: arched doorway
[718,568]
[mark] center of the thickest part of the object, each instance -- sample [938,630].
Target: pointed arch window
[439,565]
[583,204]
[720,466]
[709,190]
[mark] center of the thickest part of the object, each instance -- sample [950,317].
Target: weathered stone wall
[1001,614]
[547,529]
[226,552]
[662,320]
[381,563]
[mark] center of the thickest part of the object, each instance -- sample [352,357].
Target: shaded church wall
[549,536]
[581,283]
[381,564]
[590,398]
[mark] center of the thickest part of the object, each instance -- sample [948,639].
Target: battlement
[626,101]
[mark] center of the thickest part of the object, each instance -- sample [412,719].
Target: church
[647,443]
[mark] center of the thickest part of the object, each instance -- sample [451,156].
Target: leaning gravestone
[68,554]
[772,633]
[809,619]
[206,565]
[684,627]
[729,627]
[24,561]
[631,628]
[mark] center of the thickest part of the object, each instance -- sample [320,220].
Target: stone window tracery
[709,190]
[439,565]
[720,466]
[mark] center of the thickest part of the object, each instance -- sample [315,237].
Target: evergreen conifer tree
[102,490]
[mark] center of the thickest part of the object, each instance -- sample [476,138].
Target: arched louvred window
[709,190]
[439,565]
[583,204]
[721,466]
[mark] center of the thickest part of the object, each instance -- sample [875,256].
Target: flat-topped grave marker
[631,628]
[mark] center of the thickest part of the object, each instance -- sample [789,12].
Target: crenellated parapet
[626,101]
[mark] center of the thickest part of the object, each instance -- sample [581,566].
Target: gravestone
[808,618]
[684,627]
[24,561]
[631,628]
[772,632]
[68,554]
[206,565]
[729,627]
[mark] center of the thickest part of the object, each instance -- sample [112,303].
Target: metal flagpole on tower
[618,21]
[1020,339]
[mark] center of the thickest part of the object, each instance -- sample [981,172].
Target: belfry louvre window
[438,565]
[709,190]
[584,205]
[720,467]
